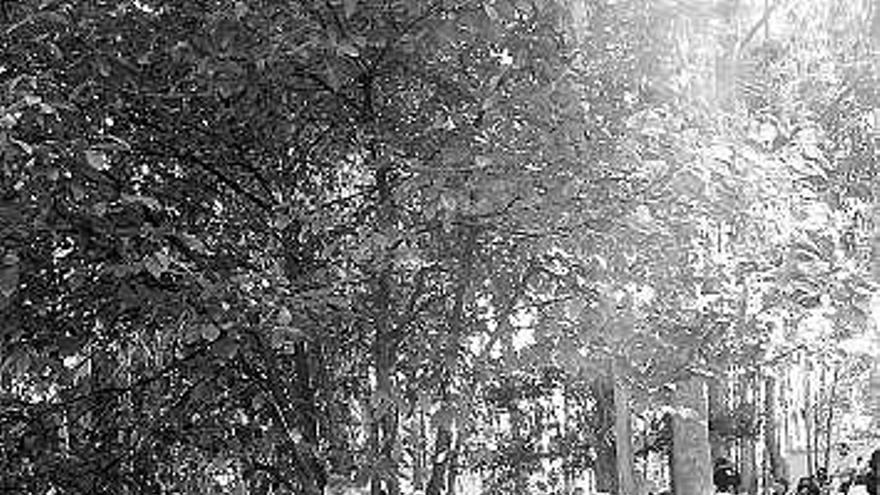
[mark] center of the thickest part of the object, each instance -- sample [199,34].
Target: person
[823,480]
[857,489]
[779,487]
[850,477]
[808,486]
[872,478]
[725,477]
[822,477]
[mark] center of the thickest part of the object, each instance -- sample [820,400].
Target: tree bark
[771,444]
[626,481]
[875,30]
[808,422]
[717,408]
[748,454]
[829,419]
[453,466]
[307,468]
[874,380]
[384,343]
[305,392]
[520,480]
[749,471]
[691,459]
[444,455]
[606,451]
[419,457]
[568,475]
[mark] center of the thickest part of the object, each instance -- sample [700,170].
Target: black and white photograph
[439,247]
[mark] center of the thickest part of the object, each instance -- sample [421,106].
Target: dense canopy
[320,246]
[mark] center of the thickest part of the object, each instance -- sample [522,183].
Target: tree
[691,459]
[216,208]
[309,244]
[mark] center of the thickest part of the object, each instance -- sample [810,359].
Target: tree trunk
[307,469]
[385,417]
[771,444]
[808,422]
[308,416]
[444,455]
[453,466]
[874,380]
[718,407]
[384,344]
[520,479]
[829,419]
[875,35]
[749,471]
[606,451]
[305,394]
[670,457]
[623,437]
[419,457]
[568,475]
[691,459]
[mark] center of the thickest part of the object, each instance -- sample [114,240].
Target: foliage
[284,244]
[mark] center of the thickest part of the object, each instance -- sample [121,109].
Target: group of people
[861,479]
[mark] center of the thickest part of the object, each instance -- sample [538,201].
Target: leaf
[226,348]
[8,361]
[359,40]
[332,78]
[804,251]
[194,243]
[241,10]
[443,418]
[9,275]
[258,401]
[27,148]
[453,155]
[448,202]
[55,17]
[362,477]
[687,183]
[157,264]
[283,338]
[282,221]
[491,12]
[23,363]
[350,7]
[153,267]
[77,192]
[147,201]
[423,401]
[97,160]
[8,120]
[347,48]
[284,317]
[524,6]
[192,335]
[210,332]
[201,392]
